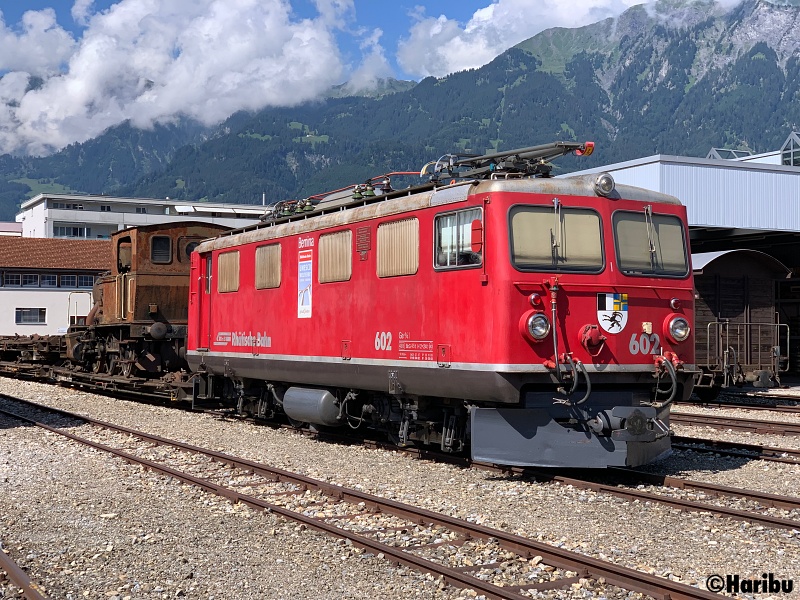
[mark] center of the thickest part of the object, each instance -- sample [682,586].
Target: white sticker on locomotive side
[305,260]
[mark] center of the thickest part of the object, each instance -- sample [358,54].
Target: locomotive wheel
[127,358]
[112,364]
[98,364]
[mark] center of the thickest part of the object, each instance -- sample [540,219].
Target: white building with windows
[45,284]
[97,217]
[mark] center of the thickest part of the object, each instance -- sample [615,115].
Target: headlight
[604,185]
[538,326]
[679,329]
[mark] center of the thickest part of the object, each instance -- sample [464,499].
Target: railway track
[138,388]
[404,534]
[628,477]
[769,453]
[768,406]
[30,590]
[735,423]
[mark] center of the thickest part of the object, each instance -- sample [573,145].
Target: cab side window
[459,239]
[161,249]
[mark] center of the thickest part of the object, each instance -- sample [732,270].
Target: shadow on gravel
[10,407]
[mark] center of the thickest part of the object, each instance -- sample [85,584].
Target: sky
[69,69]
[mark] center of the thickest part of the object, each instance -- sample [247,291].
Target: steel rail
[687,505]
[763,498]
[31,590]
[770,453]
[586,566]
[735,423]
[743,406]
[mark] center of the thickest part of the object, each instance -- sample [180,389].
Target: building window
[69,281]
[12,280]
[161,249]
[49,280]
[228,272]
[454,239]
[69,231]
[141,210]
[105,208]
[85,281]
[398,248]
[268,267]
[67,206]
[335,257]
[790,152]
[30,280]
[31,316]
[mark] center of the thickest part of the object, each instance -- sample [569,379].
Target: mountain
[675,77]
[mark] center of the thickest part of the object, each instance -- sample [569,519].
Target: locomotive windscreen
[560,239]
[650,244]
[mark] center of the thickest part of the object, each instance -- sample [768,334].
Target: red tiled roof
[51,253]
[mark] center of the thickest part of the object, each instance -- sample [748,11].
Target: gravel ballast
[88,525]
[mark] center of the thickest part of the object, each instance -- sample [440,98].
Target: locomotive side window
[335,257]
[228,272]
[268,267]
[454,239]
[124,254]
[555,238]
[207,274]
[650,244]
[161,249]
[398,248]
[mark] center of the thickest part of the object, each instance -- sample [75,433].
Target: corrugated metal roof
[720,193]
[54,253]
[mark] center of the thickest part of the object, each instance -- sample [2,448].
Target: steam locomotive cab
[536,321]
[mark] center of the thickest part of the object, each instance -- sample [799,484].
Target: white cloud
[40,46]
[81,10]
[156,60]
[439,45]
[374,65]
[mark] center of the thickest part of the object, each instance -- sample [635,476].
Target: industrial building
[46,284]
[97,217]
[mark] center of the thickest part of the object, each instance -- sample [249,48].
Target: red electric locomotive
[536,320]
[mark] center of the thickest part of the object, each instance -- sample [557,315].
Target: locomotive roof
[340,209]
[170,226]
